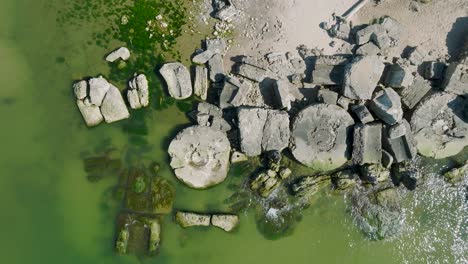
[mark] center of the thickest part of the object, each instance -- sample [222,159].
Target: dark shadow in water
[456,36]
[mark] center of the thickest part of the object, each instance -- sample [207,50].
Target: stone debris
[344,179]
[343,102]
[226,222]
[397,130]
[121,53]
[203,57]
[243,91]
[340,31]
[434,70]
[416,56]
[368,49]
[440,125]
[362,113]
[306,187]
[177,77]
[401,148]
[262,130]
[217,45]
[393,28]
[321,136]
[138,94]
[387,159]
[251,72]
[283,94]
[329,70]
[102,102]
[361,77]
[456,78]
[374,173]
[211,116]
[386,105]
[457,175]
[200,86]
[224,10]
[216,68]
[327,97]
[200,156]
[400,74]
[271,178]
[367,146]
[235,92]
[412,95]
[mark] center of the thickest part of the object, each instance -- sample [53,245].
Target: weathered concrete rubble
[440,125]
[321,136]
[138,94]
[226,222]
[367,146]
[262,130]
[200,156]
[400,74]
[329,70]
[361,77]
[212,116]
[412,95]
[121,53]
[177,77]
[400,146]
[200,86]
[270,178]
[224,10]
[386,105]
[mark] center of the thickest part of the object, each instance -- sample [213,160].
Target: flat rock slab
[386,105]
[321,136]
[98,88]
[440,125]
[200,156]
[91,113]
[177,77]
[113,106]
[225,222]
[262,130]
[187,219]
[400,143]
[200,85]
[361,77]
[121,53]
[367,146]
[412,95]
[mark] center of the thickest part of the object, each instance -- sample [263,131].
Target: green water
[52,214]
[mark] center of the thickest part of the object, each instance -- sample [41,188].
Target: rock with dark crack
[321,136]
[361,77]
[386,105]
[113,106]
[138,94]
[262,130]
[440,125]
[200,156]
[178,80]
[400,74]
[412,95]
[188,219]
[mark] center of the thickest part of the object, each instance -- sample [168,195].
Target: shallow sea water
[52,214]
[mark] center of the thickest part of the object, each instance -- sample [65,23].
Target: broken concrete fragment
[262,130]
[456,79]
[362,113]
[225,222]
[327,74]
[343,102]
[283,96]
[440,125]
[200,86]
[321,136]
[416,56]
[361,77]
[187,219]
[368,49]
[98,88]
[401,148]
[216,68]
[397,130]
[367,146]
[242,92]
[200,156]
[371,32]
[211,116]
[400,74]
[121,53]
[80,89]
[333,60]
[340,31]
[412,95]
[91,113]
[203,57]
[393,28]
[434,70]
[177,77]
[386,105]
[327,97]
[251,72]
[113,106]
[226,13]
[387,159]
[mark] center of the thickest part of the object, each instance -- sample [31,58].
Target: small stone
[284,173]
[218,45]
[138,94]
[369,33]
[397,131]
[386,105]
[133,99]
[225,222]
[178,80]
[400,74]
[216,68]
[80,89]
[416,56]
[343,102]
[121,53]
[412,95]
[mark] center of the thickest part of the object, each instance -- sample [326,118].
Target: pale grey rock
[362,113]
[412,95]
[387,159]
[242,92]
[80,89]
[434,70]
[394,29]
[440,125]
[218,45]
[113,106]
[133,99]
[400,74]
[121,53]
[188,219]
[177,77]
[251,72]
[203,57]
[98,88]
[237,157]
[327,96]
[328,74]
[235,93]
[361,77]
[374,173]
[401,148]
[456,79]
[416,56]
[340,31]
[283,96]
[371,32]
[216,68]
[343,102]
[333,60]
[386,105]
[200,156]
[225,222]
[226,13]
[138,94]
[367,146]
[262,130]
[368,49]
[321,136]
[200,86]
[91,113]
[397,130]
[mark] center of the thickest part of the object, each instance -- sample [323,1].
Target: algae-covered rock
[155,235]
[138,234]
[306,187]
[374,173]
[122,241]
[162,195]
[187,219]
[344,179]
[457,175]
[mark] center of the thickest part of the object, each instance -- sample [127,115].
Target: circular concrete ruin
[200,156]
[440,125]
[321,136]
